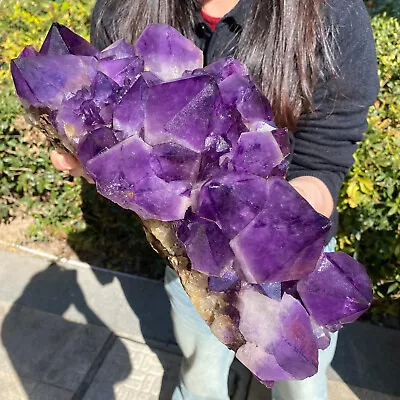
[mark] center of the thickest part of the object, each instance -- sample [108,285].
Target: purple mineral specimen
[206,246]
[284,241]
[194,152]
[279,339]
[166,52]
[338,291]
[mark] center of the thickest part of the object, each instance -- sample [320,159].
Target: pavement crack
[94,368]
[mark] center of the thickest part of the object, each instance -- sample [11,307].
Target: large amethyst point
[124,120]
[257,153]
[280,341]
[284,241]
[232,201]
[124,175]
[206,246]
[28,73]
[176,109]
[61,41]
[166,52]
[347,296]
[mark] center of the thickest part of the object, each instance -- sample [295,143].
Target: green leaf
[392,287]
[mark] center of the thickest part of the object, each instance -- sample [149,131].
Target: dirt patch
[16,232]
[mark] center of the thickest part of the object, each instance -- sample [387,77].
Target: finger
[79,171]
[63,161]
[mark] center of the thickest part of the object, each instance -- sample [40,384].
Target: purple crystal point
[28,73]
[232,201]
[97,141]
[206,246]
[128,122]
[225,67]
[347,296]
[28,51]
[177,109]
[166,52]
[284,241]
[123,165]
[124,175]
[124,71]
[234,88]
[61,41]
[241,91]
[173,162]
[104,89]
[254,107]
[25,93]
[280,341]
[118,50]
[257,153]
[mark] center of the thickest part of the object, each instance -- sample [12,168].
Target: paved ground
[78,333]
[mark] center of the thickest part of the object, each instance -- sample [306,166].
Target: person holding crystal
[315,61]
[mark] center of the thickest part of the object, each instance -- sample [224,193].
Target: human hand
[68,163]
[315,192]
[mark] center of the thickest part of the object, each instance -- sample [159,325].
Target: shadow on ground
[53,358]
[114,239]
[368,357]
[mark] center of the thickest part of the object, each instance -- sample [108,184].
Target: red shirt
[212,21]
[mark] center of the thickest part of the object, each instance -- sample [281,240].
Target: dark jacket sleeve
[325,139]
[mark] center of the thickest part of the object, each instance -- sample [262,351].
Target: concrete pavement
[80,333]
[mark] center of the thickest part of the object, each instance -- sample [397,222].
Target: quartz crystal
[194,152]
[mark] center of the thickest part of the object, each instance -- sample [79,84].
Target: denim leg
[206,361]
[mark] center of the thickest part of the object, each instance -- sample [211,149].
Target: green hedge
[28,183]
[370,200]
[104,234]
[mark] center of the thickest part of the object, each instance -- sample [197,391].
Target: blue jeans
[206,361]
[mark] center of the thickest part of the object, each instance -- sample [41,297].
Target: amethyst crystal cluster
[195,154]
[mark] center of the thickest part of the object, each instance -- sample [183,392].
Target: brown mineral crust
[162,238]
[231,336]
[40,117]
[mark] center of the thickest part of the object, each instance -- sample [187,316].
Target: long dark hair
[286,45]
